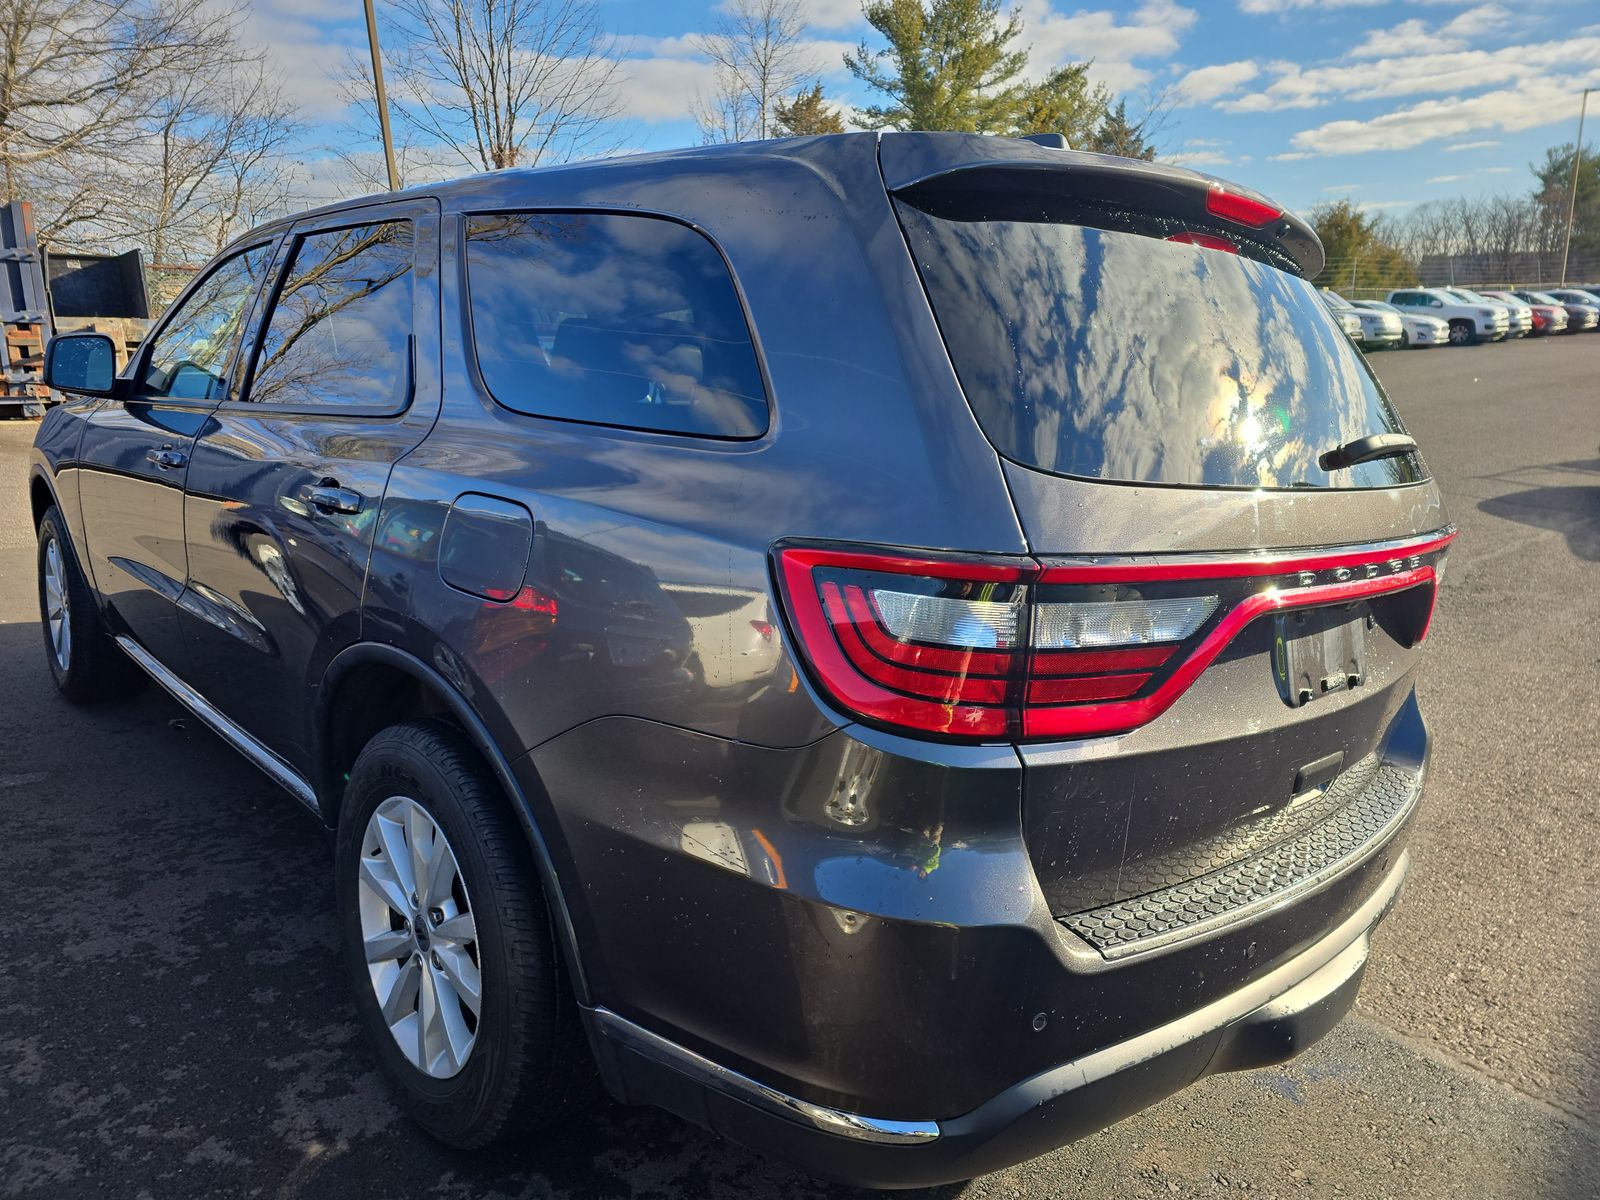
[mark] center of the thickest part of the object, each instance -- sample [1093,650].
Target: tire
[524,1062]
[1405,340]
[84,661]
[1462,333]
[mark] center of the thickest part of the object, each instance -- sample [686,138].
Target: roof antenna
[1054,141]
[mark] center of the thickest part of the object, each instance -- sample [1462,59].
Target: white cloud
[1343,187]
[1380,205]
[306,54]
[1415,37]
[1455,71]
[832,14]
[1531,103]
[1205,84]
[1448,178]
[1485,144]
[1152,32]
[662,76]
[1283,6]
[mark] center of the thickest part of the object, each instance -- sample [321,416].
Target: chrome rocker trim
[274,767]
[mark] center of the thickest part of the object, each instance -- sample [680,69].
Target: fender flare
[472,724]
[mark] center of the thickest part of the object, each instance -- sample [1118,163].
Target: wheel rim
[419,937]
[56,615]
[1458,334]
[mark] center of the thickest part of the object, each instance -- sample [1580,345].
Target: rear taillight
[1240,208]
[1015,649]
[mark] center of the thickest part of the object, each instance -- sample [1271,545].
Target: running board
[279,771]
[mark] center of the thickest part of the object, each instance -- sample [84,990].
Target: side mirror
[83,363]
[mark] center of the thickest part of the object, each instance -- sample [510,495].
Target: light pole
[383,99]
[1572,200]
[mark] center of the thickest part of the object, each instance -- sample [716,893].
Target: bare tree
[212,161]
[502,83]
[759,52]
[76,78]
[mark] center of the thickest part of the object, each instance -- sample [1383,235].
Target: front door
[136,453]
[285,482]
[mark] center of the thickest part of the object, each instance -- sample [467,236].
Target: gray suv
[899,649]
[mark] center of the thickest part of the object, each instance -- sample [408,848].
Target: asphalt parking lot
[172,1023]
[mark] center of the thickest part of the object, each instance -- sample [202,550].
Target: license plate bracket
[1319,651]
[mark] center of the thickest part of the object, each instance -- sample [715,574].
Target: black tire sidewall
[82,619]
[455,1109]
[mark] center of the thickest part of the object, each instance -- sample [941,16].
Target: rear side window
[339,334]
[613,319]
[189,358]
[1109,354]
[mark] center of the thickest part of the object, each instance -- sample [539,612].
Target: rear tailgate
[1163,387]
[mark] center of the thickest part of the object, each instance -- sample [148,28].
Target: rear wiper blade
[1367,449]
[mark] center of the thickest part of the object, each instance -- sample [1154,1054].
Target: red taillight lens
[934,647]
[1207,241]
[992,650]
[1240,208]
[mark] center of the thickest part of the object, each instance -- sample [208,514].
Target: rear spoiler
[1022,180]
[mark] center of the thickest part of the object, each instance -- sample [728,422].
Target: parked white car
[1469,322]
[1379,330]
[1416,328]
[1521,318]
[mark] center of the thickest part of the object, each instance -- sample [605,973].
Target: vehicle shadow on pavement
[1571,510]
[177,1021]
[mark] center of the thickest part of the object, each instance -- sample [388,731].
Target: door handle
[167,458]
[330,497]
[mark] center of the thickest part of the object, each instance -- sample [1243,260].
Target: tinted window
[189,358]
[1114,355]
[612,319]
[340,329]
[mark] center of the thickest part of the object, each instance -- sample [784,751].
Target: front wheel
[448,942]
[84,661]
[1461,333]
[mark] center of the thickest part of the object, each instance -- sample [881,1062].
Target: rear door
[285,482]
[135,454]
[1231,616]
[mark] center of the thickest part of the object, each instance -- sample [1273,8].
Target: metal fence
[1511,272]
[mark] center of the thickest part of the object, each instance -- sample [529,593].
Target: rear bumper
[1270,1020]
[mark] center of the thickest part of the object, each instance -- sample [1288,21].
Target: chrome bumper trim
[1297,984]
[742,1087]
[279,771]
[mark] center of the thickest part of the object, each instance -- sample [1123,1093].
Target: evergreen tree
[1117,135]
[807,114]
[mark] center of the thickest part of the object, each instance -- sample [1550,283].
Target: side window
[189,358]
[612,319]
[339,334]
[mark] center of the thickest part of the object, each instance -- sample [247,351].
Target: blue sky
[1390,104]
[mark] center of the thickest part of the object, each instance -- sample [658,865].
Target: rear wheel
[84,661]
[448,943]
[1461,333]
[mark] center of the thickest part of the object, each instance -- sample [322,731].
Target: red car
[1547,318]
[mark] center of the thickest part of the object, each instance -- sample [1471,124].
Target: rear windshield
[1110,354]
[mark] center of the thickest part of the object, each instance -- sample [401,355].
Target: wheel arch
[41,496]
[391,685]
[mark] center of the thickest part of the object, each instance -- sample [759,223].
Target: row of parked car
[1432,316]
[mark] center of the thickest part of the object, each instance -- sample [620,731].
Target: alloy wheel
[420,938]
[56,614]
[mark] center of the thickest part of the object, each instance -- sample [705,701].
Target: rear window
[1109,354]
[612,319]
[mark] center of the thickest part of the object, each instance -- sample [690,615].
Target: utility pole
[1572,200]
[383,98]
